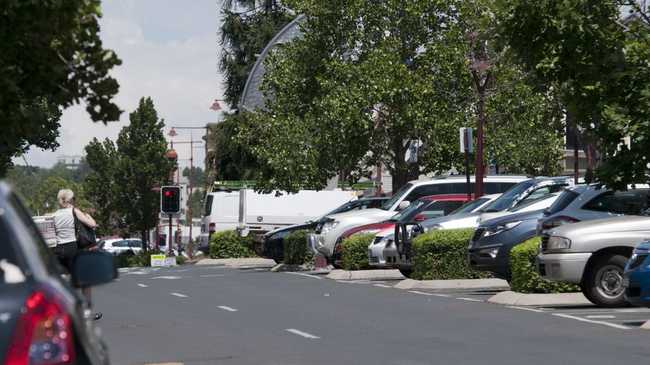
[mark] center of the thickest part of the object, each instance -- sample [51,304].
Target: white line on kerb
[470,299]
[301,333]
[178,295]
[601,317]
[143,285]
[525,309]
[305,275]
[430,294]
[593,322]
[226,308]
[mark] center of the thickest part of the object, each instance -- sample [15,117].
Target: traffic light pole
[171,239]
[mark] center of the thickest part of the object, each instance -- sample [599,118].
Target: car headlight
[501,228]
[369,231]
[328,226]
[558,243]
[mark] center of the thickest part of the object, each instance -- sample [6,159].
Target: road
[214,315]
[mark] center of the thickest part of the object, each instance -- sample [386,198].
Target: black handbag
[85,235]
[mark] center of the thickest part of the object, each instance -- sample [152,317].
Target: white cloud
[169,51]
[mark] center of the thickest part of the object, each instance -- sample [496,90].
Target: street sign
[170,199]
[466,140]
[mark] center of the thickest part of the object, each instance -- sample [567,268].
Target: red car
[427,207]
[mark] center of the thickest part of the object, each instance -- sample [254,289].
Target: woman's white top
[64,226]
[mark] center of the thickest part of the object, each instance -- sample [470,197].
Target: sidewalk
[521,299]
[365,275]
[447,285]
[256,262]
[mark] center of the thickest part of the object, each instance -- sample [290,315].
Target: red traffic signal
[170,199]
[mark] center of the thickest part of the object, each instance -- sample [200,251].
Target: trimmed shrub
[295,248]
[139,260]
[180,260]
[525,278]
[354,251]
[229,244]
[442,255]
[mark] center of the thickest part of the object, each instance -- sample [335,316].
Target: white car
[328,232]
[382,246]
[119,246]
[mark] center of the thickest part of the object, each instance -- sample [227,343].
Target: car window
[562,201]
[470,206]
[497,187]
[135,243]
[409,211]
[397,196]
[505,201]
[208,205]
[528,202]
[7,249]
[633,202]
[120,243]
[540,193]
[441,208]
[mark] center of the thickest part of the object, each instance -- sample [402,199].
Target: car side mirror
[91,268]
[403,204]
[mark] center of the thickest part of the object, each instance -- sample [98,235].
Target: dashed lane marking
[302,334]
[178,295]
[305,275]
[592,321]
[143,285]
[167,277]
[226,308]
[601,317]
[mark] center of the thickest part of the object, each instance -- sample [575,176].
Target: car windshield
[409,210]
[505,201]
[470,206]
[562,201]
[527,204]
[397,196]
[7,251]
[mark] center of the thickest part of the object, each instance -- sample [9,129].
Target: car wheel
[603,282]
[406,272]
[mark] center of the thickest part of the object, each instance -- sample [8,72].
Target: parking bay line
[469,299]
[430,294]
[305,275]
[302,334]
[211,275]
[143,285]
[525,309]
[592,321]
[382,286]
[600,316]
[226,308]
[178,295]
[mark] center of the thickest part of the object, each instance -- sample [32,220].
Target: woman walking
[66,240]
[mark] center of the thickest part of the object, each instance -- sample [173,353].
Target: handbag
[85,235]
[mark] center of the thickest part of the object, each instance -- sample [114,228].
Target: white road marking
[430,294]
[591,321]
[226,308]
[301,333]
[470,299]
[178,295]
[525,309]
[143,285]
[305,275]
[182,270]
[167,277]
[382,285]
[601,317]
[211,275]
[632,310]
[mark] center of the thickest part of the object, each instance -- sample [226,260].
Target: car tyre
[603,281]
[406,272]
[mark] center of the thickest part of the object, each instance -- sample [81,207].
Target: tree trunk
[480,168]
[145,241]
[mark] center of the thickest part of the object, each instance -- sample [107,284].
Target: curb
[256,262]
[365,275]
[645,326]
[521,299]
[461,284]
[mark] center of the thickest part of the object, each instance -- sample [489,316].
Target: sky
[169,51]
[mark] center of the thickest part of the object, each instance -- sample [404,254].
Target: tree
[231,159]
[367,78]
[196,202]
[198,176]
[102,188]
[51,57]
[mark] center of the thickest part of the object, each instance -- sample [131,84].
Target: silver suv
[593,254]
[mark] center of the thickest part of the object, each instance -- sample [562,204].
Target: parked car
[593,255]
[45,320]
[327,233]
[588,202]
[382,246]
[273,241]
[121,246]
[490,246]
[636,279]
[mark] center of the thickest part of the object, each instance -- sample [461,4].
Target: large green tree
[51,57]
[102,188]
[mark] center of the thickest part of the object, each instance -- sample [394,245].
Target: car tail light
[558,221]
[43,334]
[420,218]
[211,228]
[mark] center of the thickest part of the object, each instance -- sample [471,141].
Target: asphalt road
[213,315]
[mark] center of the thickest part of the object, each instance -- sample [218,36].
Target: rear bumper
[567,267]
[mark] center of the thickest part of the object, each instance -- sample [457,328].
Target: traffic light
[170,199]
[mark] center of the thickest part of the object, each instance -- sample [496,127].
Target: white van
[259,213]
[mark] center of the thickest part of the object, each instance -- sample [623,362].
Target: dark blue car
[637,276]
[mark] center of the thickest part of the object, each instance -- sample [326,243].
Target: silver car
[593,255]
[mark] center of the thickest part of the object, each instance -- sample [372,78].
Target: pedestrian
[66,240]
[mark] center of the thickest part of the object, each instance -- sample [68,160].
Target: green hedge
[354,251]
[525,278]
[138,260]
[229,244]
[295,248]
[442,255]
